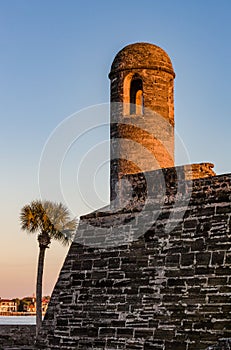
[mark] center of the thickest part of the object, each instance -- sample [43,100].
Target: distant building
[29,304]
[45,302]
[7,305]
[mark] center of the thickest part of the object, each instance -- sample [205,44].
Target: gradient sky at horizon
[55,59]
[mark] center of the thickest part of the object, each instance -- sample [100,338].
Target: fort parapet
[167,289]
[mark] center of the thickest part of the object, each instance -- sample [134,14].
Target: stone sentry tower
[142,112]
[147,279]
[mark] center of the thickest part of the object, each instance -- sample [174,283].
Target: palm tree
[51,221]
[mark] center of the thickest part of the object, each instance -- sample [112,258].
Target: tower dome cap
[141,56]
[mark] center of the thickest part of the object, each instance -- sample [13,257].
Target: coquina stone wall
[155,275]
[17,336]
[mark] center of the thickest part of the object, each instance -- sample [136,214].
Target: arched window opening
[136,96]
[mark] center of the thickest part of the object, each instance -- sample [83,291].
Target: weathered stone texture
[223,344]
[198,171]
[168,289]
[16,336]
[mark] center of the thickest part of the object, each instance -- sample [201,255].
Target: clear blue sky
[54,61]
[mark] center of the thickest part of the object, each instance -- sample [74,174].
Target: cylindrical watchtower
[142,111]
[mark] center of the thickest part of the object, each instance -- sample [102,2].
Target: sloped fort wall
[168,289]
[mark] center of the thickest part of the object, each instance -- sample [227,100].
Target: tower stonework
[142,111]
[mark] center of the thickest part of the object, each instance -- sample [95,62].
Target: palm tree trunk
[39,289]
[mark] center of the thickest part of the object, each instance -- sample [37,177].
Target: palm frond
[29,219]
[50,217]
